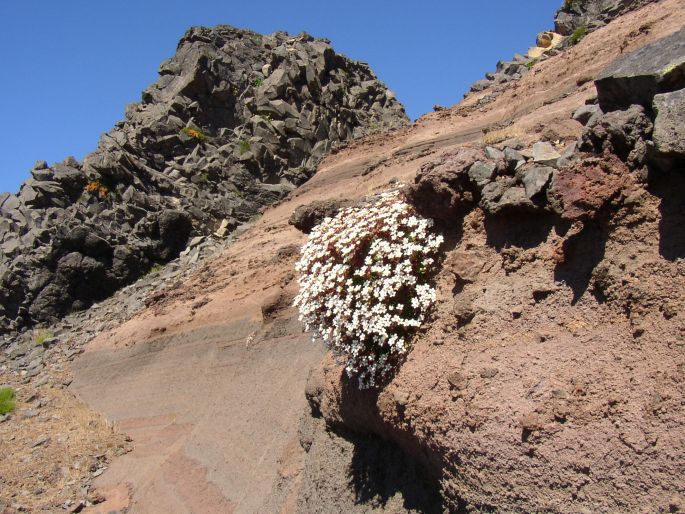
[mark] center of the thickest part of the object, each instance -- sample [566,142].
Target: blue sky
[71,66]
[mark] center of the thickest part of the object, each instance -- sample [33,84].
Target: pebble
[40,441]
[489,373]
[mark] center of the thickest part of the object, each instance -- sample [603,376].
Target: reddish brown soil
[552,398]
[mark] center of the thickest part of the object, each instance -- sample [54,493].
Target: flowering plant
[365,283]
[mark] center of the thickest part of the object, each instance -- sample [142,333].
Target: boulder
[545,154]
[536,179]
[443,190]
[503,197]
[513,158]
[585,113]
[635,78]
[481,173]
[174,230]
[623,133]
[306,217]
[669,125]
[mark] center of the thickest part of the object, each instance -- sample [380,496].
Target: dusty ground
[212,394]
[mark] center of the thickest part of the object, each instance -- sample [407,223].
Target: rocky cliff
[235,121]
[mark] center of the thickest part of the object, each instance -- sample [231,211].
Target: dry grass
[48,457]
[497,136]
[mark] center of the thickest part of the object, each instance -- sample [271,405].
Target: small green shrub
[41,337]
[7,400]
[267,117]
[243,146]
[156,268]
[531,63]
[578,34]
[258,83]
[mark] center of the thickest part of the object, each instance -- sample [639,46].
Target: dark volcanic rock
[636,77]
[669,125]
[623,133]
[235,121]
[306,217]
[442,189]
[592,14]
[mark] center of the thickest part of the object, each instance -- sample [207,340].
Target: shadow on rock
[669,188]
[582,252]
[379,471]
[523,230]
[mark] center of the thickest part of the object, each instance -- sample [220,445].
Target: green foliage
[531,63]
[243,146]
[267,117]
[42,337]
[156,268]
[258,83]
[7,400]
[195,133]
[578,34]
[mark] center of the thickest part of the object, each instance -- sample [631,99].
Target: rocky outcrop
[592,14]
[640,110]
[550,377]
[638,76]
[234,122]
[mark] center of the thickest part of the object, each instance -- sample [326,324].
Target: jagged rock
[513,158]
[535,180]
[592,14]
[580,192]
[493,153]
[480,85]
[585,113]
[234,122]
[623,133]
[503,196]
[442,190]
[481,173]
[669,125]
[545,154]
[306,217]
[636,77]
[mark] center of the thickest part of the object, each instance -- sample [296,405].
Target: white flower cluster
[364,283]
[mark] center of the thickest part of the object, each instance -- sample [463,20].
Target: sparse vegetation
[365,284]
[7,400]
[41,337]
[243,146]
[578,35]
[568,4]
[156,268]
[195,133]
[531,63]
[97,188]
[258,83]
[497,136]
[267,117]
